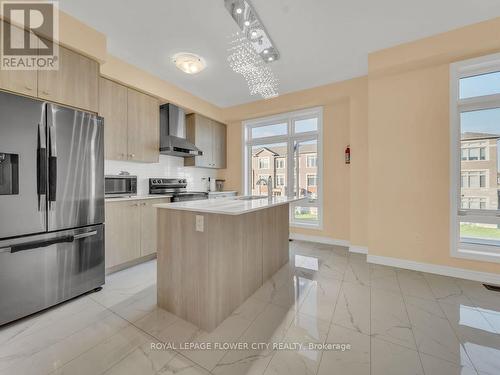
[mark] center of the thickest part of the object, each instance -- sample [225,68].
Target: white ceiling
[320,41]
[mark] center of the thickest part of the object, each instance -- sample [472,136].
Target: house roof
[282,150]
[471,135]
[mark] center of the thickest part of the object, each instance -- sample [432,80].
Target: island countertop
[227,206]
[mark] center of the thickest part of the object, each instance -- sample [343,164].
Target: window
[292,142]
[264,163]
[473,180]
[475,135]
[311,180]
[312,161]
[280,180]
[280,163]
[476,203]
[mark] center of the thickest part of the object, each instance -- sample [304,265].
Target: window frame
[267,159]
[290,118]
[482,250]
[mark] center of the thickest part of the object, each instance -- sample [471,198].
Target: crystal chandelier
[251,50]
[243,59]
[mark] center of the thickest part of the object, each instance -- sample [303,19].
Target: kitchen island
[214,254]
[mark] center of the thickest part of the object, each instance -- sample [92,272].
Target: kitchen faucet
[268,183]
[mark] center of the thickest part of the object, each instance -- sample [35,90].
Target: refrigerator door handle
[52,166]
[37,244]
[41,165]
[85,235]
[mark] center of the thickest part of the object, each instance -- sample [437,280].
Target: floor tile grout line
[107,338]
[411,323]
[451,325]
[74,333]
[331,319]
[156,338]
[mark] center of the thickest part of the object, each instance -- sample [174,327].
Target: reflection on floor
[391,321]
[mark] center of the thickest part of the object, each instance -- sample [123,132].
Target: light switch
[199,223]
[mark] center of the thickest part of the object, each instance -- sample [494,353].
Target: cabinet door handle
[131,156]
[28,88]
[143,204]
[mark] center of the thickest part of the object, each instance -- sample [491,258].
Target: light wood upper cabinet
[75,83]
[112,106]
[149,217]
[20,81]
[210,137]
[143,127]
[219,144]
[123,232]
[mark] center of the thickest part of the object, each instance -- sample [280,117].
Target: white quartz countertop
[222,192]
[137,198]
[227,206]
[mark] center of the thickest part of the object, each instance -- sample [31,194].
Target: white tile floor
[396,322]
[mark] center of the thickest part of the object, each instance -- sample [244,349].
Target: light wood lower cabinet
[130,230]
[123,232]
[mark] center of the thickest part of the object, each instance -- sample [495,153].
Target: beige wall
[409,145]
[394,197]
[344,122]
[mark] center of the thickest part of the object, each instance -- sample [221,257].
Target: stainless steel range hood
[173,133]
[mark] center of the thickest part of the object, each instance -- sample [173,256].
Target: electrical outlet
[199,223]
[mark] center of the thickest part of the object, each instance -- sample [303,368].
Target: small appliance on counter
[121,185]
[175,187]
[219,185]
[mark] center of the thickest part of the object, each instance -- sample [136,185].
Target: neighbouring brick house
[479,173]
[271,161]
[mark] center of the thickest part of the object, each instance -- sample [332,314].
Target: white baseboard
[484,277]
[358,249]
[319,239]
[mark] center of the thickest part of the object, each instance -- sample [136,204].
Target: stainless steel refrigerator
[51,205]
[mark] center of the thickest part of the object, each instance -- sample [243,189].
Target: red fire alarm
[348,155]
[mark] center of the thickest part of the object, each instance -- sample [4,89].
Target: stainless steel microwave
[120,186]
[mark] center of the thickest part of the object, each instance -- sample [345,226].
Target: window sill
[478,253]
[315,226]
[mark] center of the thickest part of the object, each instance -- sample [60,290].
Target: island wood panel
[204,276]
[275,229]
[226,267]
[182,263]
[252,252]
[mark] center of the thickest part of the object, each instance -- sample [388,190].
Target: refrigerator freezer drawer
[40,271]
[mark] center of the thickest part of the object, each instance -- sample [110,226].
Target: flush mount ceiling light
[189,62]
[251,26]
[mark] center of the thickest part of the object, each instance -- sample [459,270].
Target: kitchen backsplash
[169,166]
